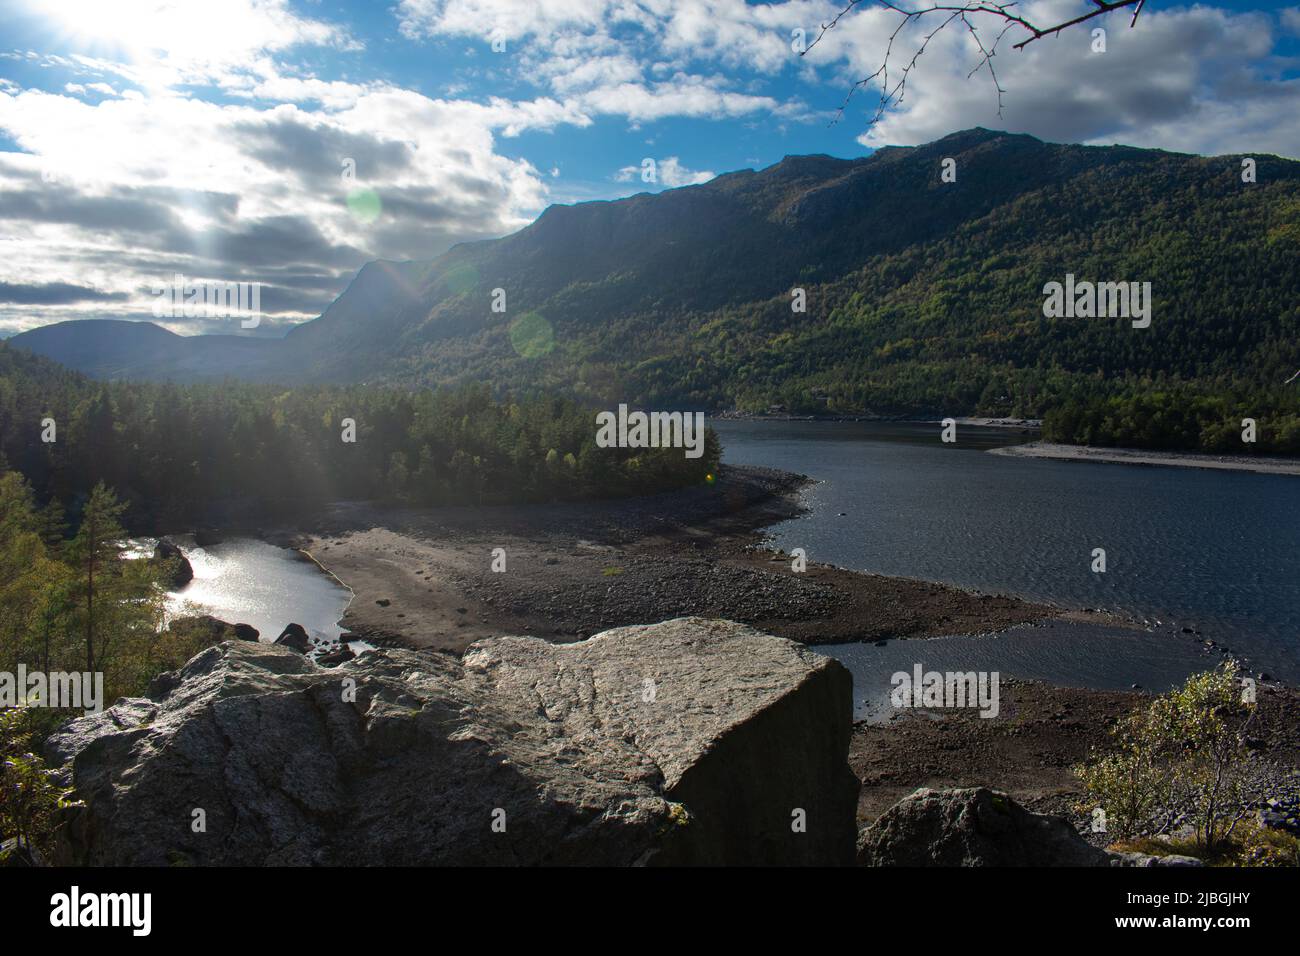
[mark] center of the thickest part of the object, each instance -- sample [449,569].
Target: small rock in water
[336,656]
[295,637]
[181,571]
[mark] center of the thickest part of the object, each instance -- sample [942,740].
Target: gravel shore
[424,578]
[1137,456]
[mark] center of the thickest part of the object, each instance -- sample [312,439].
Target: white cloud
[1191,80]
[598,53]
[1194,78]
[238,192]
[164,43]
[668,172]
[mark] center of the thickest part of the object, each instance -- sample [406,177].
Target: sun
[99,23]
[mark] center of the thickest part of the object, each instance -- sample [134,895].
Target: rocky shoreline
[424,580]
[688,742]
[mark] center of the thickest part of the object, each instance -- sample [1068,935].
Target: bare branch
[968,13]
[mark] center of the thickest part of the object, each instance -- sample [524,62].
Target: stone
[335,655]
[972,827]
[294,636]
[206,629]
[1148,859]
[692,741]
[177,571]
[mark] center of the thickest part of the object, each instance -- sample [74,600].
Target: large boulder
[982,827]
[972,827]
[687,742]
[175,568]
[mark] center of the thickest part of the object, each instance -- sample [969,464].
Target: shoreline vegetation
[1141,456]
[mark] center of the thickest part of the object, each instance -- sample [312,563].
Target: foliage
[1250,844]
[29,797]
[922,297]
[79,605]
[1183,755]
[180,455]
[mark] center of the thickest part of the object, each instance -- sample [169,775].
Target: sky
[288,142]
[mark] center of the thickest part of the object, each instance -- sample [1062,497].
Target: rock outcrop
[688,742]
[982,827]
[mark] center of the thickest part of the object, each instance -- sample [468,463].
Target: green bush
[1182,755]
[29,797]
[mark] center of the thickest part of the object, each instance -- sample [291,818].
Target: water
[1059,652]
[1212,550]
[246,581]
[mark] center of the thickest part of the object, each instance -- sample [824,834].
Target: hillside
[113,349]
[923,296]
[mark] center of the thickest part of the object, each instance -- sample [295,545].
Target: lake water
[246,581]
[1214,550]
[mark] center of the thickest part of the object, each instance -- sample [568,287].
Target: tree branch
[986,11]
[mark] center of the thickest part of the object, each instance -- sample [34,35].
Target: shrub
[29,796]
[1183,756]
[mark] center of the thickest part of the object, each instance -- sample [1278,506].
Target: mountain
[115,349]
[922,295]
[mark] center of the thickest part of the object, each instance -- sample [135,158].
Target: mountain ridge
[922,294]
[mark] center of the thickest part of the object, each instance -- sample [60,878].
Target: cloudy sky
[287,142]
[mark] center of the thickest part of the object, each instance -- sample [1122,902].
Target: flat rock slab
[692,741]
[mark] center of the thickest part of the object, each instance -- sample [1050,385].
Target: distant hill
[112,349]
[921,295]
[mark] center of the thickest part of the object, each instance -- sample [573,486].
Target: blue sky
[141,138]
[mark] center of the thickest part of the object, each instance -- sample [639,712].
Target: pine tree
[96,550]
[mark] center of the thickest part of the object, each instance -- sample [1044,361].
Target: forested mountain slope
[922,295]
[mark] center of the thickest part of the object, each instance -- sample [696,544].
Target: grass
[1250,845]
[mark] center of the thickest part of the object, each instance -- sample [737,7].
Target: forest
[86,464]
[177,456]
[1179,418]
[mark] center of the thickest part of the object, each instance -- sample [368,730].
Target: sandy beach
[1135,456]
